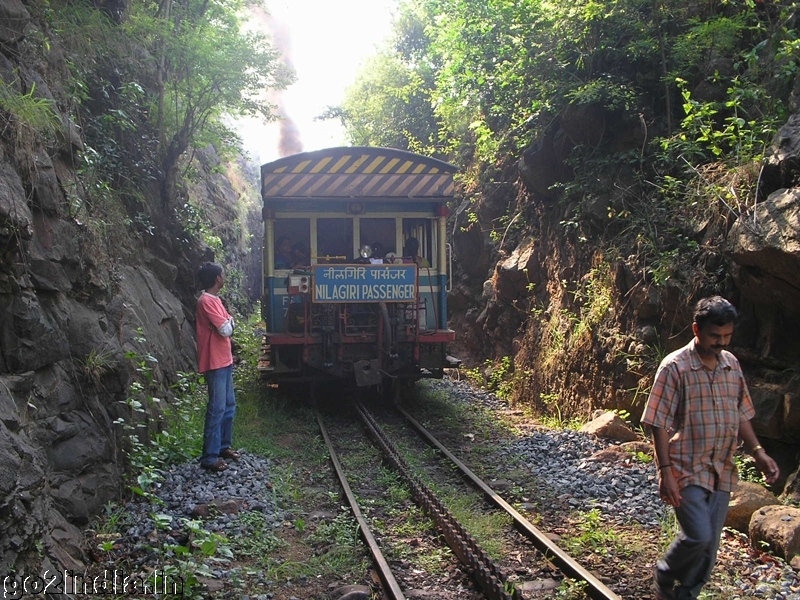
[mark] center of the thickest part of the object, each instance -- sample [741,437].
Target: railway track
[483,571]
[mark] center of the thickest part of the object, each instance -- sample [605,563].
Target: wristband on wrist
[755,449]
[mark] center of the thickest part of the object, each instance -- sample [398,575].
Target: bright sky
[326,41]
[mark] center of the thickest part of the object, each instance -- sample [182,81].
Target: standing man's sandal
[231,454]
[216,467]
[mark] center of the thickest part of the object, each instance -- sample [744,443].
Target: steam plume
[289,138]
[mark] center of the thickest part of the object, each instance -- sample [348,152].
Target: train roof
[357,172]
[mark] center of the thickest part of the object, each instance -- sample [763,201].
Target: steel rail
[597,589]
[385,573]
[482,569]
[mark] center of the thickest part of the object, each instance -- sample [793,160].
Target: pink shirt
[701,410]
[213,350]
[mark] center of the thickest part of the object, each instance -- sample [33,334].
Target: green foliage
[735,138]
[389,105]
[555,419]
[571,589]
[96,364]
[29,111]
[209,68]
[192,560]
[342,531]
[595,296]
[498,377]
[696,50]
[262,542]
[165,80]
[175,436]
[702,83]
[747,469]
[591,534]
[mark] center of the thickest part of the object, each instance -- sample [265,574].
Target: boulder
[646,302]
[768,402]
[610,426]
[746,499]
[352,592]
[488,290]
[611,454]
[584,124]
[216,507]
[779,527]
[166,272]
[513,274]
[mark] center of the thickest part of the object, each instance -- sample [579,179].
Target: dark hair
[412,247]
[714,310]
[208,274]
[282,239]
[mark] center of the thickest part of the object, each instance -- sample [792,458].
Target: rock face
[766,245]
[745,500]
[778,526]
[57,439]
[83,299]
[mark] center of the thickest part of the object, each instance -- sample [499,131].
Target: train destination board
[367,283]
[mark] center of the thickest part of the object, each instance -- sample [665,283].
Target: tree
[208,68]
[389,105]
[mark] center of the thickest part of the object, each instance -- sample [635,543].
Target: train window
[292,243]
[380,233]
[335,240]
[424,233]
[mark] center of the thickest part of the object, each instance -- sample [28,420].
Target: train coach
[356,267]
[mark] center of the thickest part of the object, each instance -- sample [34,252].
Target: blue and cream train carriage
[356,266]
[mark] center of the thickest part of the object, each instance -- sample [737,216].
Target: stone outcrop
[57,438]
[766,246]
[520,270]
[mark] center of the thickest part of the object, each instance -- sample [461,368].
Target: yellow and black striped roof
[357,172]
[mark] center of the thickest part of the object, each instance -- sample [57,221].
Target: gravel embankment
[235,496]
[186,486]
[624,493]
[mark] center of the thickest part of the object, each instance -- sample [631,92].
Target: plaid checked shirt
[701,410]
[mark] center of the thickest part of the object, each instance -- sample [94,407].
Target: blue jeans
[219,414]
[690,558]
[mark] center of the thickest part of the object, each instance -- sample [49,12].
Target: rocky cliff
[84,287]
[588,310]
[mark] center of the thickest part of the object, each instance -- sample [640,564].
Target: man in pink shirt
[699,408]
[215,360]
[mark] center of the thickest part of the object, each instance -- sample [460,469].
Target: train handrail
[448,286]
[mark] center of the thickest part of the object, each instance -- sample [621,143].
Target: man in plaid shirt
[698,408]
